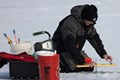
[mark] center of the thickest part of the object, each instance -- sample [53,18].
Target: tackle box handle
[42,32]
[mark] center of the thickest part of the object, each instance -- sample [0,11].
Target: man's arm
[96,42]
[72,48]
[68,31]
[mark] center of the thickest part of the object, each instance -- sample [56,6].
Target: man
[72,33]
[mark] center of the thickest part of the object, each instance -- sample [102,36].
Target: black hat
[90,13]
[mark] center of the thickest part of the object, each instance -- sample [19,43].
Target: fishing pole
[8,38]
[18,40]
[14,32]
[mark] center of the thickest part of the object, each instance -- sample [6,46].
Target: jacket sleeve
[96,42]
[72,48]
[68,31]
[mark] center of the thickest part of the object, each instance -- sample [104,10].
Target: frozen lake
[99,75]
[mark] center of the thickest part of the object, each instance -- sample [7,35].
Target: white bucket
[22,47]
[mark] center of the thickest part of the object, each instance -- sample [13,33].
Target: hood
[77,10]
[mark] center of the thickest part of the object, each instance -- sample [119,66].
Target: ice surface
[99,75]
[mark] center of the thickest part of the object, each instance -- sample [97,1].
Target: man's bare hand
[108,58]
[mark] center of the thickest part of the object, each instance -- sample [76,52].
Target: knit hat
[90,13]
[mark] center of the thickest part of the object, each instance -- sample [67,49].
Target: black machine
[46,45]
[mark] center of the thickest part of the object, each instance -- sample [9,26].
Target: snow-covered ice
[99,75]
[90,76]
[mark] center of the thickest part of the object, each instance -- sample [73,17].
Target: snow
[28,16]
[91,76]
[4,72]
[99,75]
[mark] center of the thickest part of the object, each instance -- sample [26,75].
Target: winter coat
[71,35]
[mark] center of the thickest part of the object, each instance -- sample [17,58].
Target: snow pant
[68,63]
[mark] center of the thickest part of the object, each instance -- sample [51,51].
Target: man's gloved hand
[2,63]
[90,62]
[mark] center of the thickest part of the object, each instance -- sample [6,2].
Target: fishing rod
[14,32]
[8,38]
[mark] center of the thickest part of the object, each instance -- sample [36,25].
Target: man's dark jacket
[71,35]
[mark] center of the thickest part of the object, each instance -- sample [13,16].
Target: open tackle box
[29,70]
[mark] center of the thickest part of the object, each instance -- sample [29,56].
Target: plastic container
[49,67]
[22,47]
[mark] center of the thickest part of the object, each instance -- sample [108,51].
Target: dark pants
[68,63]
